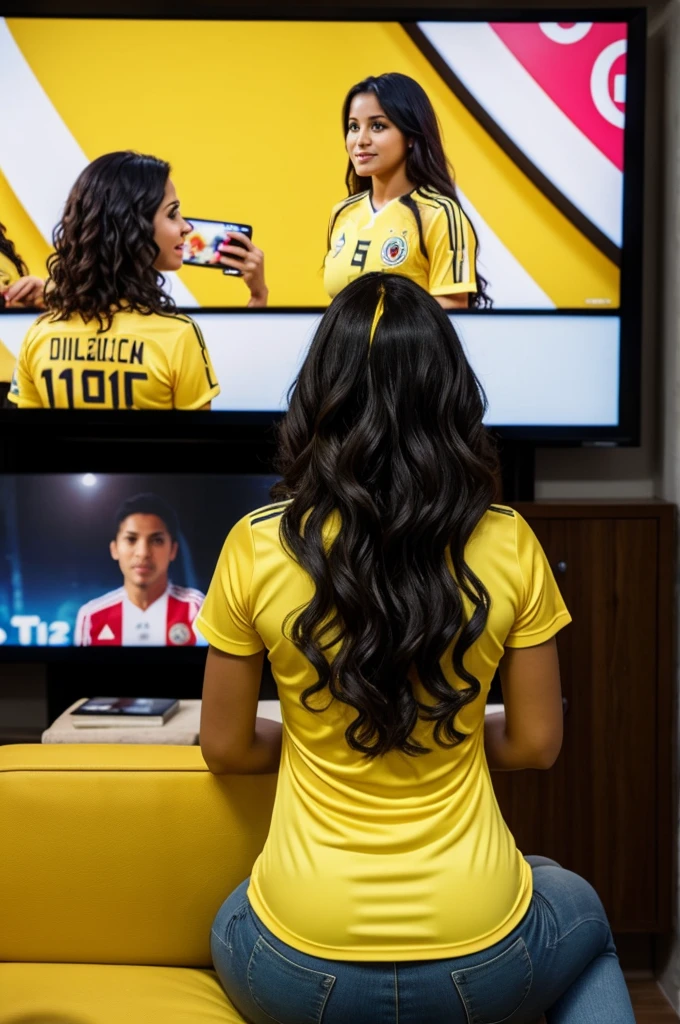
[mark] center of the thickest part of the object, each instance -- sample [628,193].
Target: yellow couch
[113,863]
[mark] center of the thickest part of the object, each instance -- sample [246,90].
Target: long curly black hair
[387,436]
[7,249]
[104,243]
[408,106]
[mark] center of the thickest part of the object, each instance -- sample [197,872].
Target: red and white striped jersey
[112,620]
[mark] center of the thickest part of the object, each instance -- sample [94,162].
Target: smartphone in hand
[201,246]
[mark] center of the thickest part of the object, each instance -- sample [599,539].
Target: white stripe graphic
[533,121]
[42,164]
[510,285]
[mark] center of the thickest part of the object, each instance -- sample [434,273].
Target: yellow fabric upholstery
[110,994]
[118,855]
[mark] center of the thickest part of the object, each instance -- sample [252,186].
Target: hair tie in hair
[379,309]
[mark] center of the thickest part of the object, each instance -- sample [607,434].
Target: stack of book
[123,712]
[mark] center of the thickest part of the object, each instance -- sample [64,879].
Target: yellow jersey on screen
[141,362]
[8,275]
[361,239]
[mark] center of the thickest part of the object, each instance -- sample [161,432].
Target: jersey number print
[94,385]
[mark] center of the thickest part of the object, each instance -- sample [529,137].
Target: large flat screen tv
[542,122]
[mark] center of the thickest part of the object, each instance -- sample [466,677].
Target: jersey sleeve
[193,378]
[225,619]
[452,251]
[335,212]
[23,391]
[541,611]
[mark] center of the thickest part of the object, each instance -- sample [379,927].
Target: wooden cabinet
[605,809]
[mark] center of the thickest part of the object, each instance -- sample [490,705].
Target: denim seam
[323,974]
[548,907]
[583,920]
[396,994]
[238,915]
[219,939]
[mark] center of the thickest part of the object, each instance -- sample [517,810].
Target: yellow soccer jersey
[8,275]
[408,856]
[141,362]
[361,239]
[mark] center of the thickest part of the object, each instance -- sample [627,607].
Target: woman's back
[404,857]
[137,361]
[387,587]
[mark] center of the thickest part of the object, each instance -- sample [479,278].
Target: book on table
[123,712]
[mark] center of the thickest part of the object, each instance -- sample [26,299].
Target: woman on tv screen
[387,588]
[403,212]
[112,337]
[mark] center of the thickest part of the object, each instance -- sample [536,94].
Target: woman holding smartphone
[112,337]
[386,588]
[403,213]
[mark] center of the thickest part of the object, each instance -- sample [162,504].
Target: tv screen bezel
[627,431]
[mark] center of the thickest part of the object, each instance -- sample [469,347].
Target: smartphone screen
[201,244]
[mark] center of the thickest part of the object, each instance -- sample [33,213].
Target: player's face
[143,549]
[375,145]
[169,231]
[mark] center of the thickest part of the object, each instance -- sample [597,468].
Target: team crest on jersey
[179,634]
[339,245]
[394,251]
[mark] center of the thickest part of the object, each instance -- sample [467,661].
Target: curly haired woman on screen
[112,337]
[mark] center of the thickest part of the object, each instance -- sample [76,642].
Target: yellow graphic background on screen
[29,243]
[248,114]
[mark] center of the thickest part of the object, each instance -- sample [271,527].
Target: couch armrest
[121,854]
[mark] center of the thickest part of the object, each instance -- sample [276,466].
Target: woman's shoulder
[45,323]
[428,195]
[440,212]
[350,201]
[344,208]
[155,323]
[433,203]
[267,513]
[261,523]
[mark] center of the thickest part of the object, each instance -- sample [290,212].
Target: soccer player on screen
[148,610]
[403,213]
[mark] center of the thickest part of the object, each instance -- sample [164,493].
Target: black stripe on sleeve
[267,509]
[270,515]
[459,251]
[204,351]
[443,201]
[348,202]
[502,511]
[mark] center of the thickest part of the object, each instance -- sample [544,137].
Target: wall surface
[669,403]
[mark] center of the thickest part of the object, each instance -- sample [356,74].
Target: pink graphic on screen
[582,68]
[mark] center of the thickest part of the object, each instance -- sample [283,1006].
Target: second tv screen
[113,560]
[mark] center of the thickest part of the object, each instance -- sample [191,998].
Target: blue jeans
[560,961]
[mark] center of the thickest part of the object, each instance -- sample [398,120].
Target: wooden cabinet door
[596,810]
